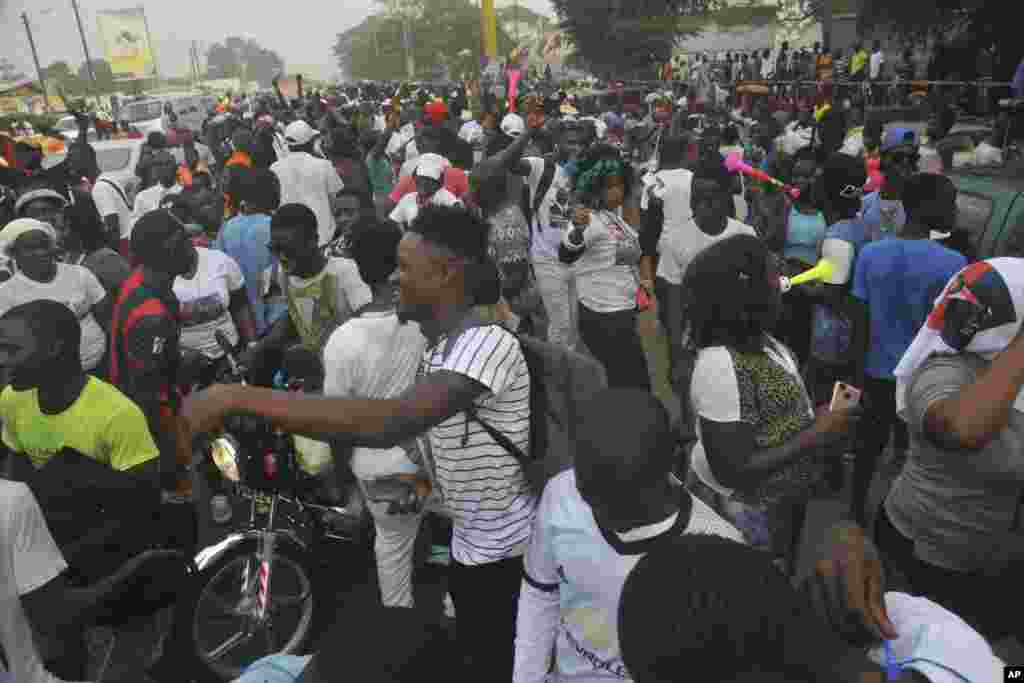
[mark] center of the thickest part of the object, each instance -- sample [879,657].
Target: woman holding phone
[761,442]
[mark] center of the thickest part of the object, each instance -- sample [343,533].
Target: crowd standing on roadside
[425,252]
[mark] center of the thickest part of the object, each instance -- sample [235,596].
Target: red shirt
[455,181]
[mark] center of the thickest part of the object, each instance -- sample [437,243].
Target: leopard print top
[774,401]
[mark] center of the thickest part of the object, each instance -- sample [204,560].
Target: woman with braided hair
[606,253]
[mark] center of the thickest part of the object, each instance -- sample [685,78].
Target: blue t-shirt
[899,280]
[245,239]
[803,236]
[884,216]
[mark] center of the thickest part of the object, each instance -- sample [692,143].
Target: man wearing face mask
[145,333]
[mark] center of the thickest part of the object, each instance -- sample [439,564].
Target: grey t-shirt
[955,505]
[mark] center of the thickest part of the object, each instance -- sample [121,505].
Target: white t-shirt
[408,207]
[374,356]
[29,559]
[149,200]
[587,567]
[75,287]
[205,302]
[553,217]
[306,179]
[937,643]
[111,200]
[606,273]
[472,132]
[481,484]
[679,247]
[715,396]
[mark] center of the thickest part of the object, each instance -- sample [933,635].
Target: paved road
[346,573]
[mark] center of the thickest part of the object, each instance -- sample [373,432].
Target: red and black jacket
[144,342]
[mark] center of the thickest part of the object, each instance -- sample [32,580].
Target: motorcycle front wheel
[220,622]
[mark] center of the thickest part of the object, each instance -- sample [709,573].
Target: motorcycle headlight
[224,452]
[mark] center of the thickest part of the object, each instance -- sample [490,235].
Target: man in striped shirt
[441,259]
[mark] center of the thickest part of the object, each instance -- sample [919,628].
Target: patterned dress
[774,401]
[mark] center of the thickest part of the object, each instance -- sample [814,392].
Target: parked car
[990,203]
[118,159]
[68,127]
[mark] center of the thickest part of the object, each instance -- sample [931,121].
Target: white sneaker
[220,509]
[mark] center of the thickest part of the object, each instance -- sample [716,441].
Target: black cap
[150,233]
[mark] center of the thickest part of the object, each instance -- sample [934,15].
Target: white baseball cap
[431,166]
[513,125]
[299,133]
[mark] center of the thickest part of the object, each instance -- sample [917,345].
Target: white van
[149,115]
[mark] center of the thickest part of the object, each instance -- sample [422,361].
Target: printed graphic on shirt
[587,629]
[889,214]
[40,441]
[203,310]
[158,346]
[560,212]
[627,245]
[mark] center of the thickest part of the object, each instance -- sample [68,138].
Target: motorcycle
[254,593]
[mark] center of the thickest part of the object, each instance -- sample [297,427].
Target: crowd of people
[416,260]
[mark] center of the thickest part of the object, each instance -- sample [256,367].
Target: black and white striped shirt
[482,485]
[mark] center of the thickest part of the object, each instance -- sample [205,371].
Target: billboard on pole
[126,42]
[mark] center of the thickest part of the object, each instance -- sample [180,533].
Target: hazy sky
[301,31]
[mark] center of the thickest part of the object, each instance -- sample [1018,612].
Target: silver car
[118,159]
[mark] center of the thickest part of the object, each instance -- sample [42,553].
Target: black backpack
[559,379]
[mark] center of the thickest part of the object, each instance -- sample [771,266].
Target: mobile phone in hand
[844,397]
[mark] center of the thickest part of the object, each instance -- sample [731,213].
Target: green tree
[628,38]
[444,33]
[104,75]
[240,58]
[59,75]
[961,27]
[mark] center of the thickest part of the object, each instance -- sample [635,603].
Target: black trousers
[615,342]
[486,598]
[879,421]
[983,601]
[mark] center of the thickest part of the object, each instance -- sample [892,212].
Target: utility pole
[35,57]
[85,44]
[152,48]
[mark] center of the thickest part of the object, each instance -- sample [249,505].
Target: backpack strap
[119,191]
[531,205]
[472,320]
[498,437]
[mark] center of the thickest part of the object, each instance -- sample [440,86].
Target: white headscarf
[979,311]
[20,226]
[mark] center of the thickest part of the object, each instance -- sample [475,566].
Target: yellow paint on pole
[489,29]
